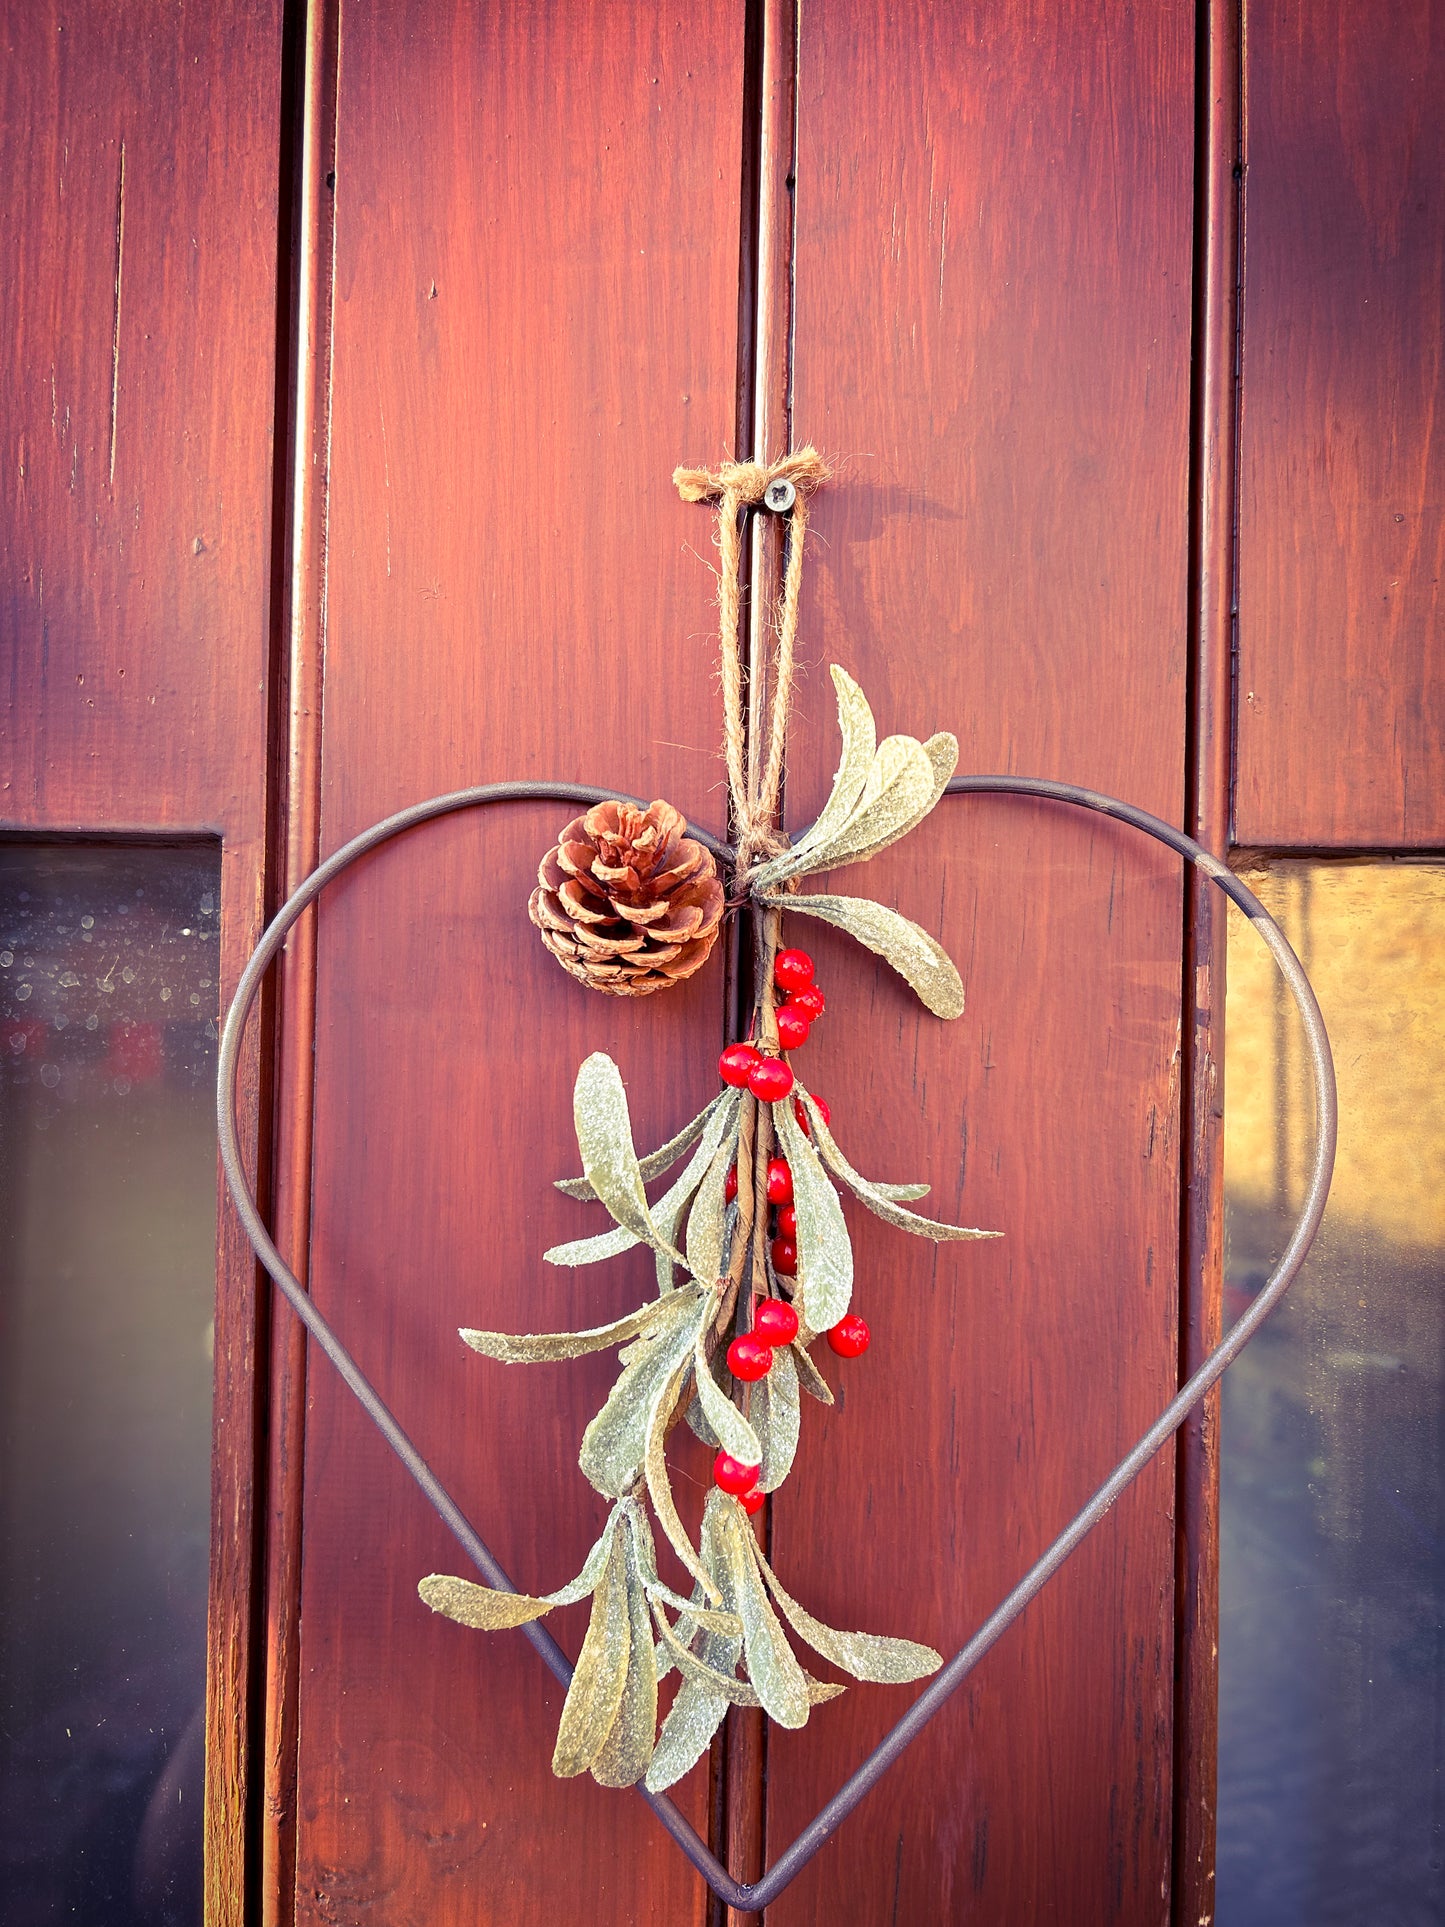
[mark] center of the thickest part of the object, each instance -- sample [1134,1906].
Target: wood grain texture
[140,150]
[535,318]
[1212,558]
[313,64]
[1341,686]
[993,324]
[748,1730]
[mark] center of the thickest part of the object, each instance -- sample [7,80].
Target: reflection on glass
[1332,1688]
[108,1002]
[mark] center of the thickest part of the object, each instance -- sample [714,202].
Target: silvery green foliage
[672,1348]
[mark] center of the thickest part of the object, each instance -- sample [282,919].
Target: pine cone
[626,901]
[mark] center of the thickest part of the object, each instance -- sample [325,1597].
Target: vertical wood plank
[313,151]
[747,1729]
[1341,690]
[1212,562]
[141,146]
[993,324]
[536,306]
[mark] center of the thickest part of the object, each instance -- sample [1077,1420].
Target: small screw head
[780,496]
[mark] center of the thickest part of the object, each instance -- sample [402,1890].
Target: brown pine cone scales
[626,901]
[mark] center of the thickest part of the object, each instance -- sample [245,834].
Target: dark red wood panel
[1341,679]
[139,146]
[141,154]
[993,328]
[536,301]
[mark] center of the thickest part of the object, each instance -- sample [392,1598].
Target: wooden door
[564,249]
[352,350]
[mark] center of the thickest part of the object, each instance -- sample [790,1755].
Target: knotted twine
[754,781]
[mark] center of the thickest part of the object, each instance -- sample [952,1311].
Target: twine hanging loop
[754,779]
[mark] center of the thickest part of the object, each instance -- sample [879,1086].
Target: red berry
[730,1185]
[736,1064]
[787,1222]
[793,969]
[850,1337]
[785,1257]
[749,1358]
[774,1322]
[770,1079]
[752,1502]
[810,1000]
[800,1111]
[780,1181]
[793,1027]
[732,1475]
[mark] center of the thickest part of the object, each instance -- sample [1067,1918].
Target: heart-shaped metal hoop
[752,1897]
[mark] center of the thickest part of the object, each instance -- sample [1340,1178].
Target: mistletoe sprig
[726,1344]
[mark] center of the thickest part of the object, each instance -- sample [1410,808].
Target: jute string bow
[754,779]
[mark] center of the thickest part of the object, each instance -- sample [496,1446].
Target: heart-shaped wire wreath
[629,901]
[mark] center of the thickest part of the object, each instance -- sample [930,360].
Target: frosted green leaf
[696,1417]
[888,1662]
[707,1218]
[479,1606]
[698,1709]
[897,795]
[702,1700]
[810,1378]
[693,1666]
[772,1664]
[615,1442]
[543,1347]
[776,1419]
[717,1509]
[604,1137]
[490,1611]
[592,1251]
[918,958]
[632,1510]
[647,1563]
[734,1434]
[659,1486]
[709,1685]
[860,737]
[595,1695]
[737,1691]
[627,1751]
[686,1626]
[656,1162]
[942,754]
[696,1613]
[825,1251]
[693,1186]
[695,1715]
[875,1197]
[697,1423]
[901,1190]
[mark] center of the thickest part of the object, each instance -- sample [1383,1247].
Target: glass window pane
[1332,1688]
[108,1004]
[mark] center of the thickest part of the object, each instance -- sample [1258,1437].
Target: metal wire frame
[751,1897]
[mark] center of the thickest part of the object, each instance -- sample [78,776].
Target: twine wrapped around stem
[754,783]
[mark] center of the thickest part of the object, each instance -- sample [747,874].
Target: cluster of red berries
[750,1356]
[769,1078]
[739,1479]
